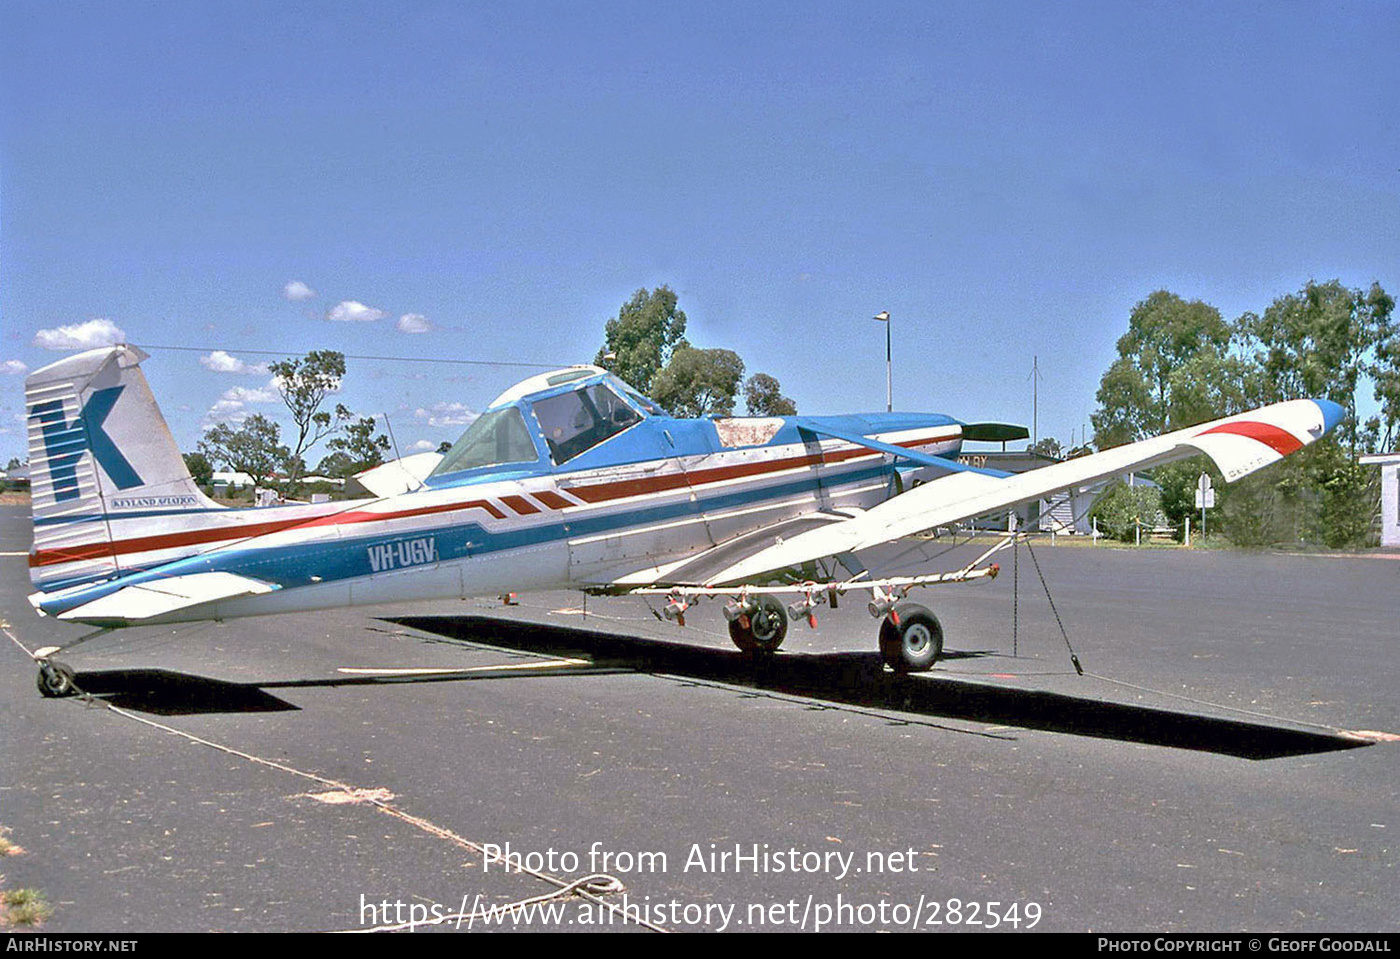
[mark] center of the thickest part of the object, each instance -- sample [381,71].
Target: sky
[489,182]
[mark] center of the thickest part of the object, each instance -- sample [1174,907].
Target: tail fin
[101,456]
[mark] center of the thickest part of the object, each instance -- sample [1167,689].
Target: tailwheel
[56,679]
[761,628]
[911,638]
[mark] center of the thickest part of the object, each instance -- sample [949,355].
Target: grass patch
[20,907]
[23,907]
[7,846]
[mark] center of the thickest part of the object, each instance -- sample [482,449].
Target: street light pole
[884,317]
[1035,401]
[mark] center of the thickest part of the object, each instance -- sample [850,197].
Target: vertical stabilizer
[100,453]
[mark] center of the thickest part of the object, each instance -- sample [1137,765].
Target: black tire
[915,644]
[55,680]
[766,630]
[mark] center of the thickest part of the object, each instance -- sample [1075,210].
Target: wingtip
[1332,414]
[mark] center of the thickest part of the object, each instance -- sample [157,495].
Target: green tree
[254,448]
[305,384]
[1320,342]
[699,382]
[357,449]
[1208,385]
[200,468]
[337,465]
[1047,446]
[641,340]
[1122,508]
[1179,364]
[1172,363]
[763,396]
[1385,370]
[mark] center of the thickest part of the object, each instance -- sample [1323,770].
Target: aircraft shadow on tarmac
[860,679]
[164,692]
[826,680]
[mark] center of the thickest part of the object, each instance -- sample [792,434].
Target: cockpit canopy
[548,420]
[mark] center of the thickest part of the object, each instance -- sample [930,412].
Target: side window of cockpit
[578,421]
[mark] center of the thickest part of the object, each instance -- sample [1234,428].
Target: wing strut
[923,459]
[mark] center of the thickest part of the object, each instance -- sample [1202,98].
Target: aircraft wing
[134,604]
[1238,445]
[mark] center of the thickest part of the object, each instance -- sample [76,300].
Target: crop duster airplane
[570,479]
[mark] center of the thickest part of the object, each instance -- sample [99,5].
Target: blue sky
[1007,179]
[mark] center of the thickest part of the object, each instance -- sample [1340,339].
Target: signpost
[1205,498]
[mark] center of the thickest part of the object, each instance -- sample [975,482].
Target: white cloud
[13,368]
[81,336]
[296,291]
[231,406]
[414,323]
[224,411]
[222,362]
[422,446]
[447,414]
[244,394]
[352,311]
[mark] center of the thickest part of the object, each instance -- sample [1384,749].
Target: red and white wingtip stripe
[1242,444]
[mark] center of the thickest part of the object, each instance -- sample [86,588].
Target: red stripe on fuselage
[602,492]
[1279,440]
[198,537]
[596,493]
[552,499]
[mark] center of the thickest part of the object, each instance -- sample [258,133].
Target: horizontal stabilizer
[994,432]
[134,604]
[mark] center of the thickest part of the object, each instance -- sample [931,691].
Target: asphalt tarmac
[1200,776]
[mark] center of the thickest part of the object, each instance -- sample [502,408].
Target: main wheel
[766,627]
[55,680]
[911,638]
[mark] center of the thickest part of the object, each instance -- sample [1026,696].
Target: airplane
[569,479]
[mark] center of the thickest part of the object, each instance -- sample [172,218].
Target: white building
[1390,495]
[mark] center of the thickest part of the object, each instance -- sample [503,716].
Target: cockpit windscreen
[496,438]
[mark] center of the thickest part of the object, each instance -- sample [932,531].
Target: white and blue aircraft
[569,479]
